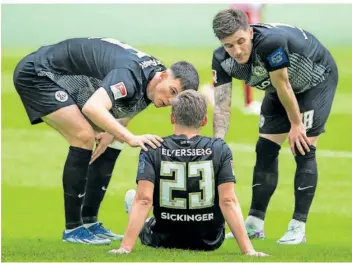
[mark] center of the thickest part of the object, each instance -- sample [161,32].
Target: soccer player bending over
[299,77]
[85,85]
[190,182]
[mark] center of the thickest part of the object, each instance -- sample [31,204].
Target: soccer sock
[99,175]
[306,179]
[265,176]
[74,184]
[248,94]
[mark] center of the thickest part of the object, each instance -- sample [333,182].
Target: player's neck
[189,133]
[151,86]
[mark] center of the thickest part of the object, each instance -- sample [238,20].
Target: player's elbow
[144,200]
[88,108]
[228,201]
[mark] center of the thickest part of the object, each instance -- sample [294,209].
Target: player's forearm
[137,217]
[124,121]
[222,110]
[232,213]
[289,101]
[101,117]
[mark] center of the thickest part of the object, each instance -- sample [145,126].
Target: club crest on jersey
[61,96]
[259,71]
[215,77]
[119,90]
[277,58]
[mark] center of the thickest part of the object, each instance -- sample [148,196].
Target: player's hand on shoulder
[121,250]
[142,141]
[256,254]
[297,137]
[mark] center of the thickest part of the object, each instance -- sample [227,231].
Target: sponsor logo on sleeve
[141,163]
[119,90]
[277,58]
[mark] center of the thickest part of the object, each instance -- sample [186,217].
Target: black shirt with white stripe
[82,65]
[276,46]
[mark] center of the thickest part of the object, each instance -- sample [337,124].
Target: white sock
[71,230]
[255,222]
[299,224]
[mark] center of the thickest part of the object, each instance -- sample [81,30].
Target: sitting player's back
[190,182]
[186,203]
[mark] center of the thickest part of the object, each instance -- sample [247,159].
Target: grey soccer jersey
[276,46]
[82,65]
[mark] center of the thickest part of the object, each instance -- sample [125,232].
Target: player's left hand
[103,140]
[121,250]
[297,137]
[256,254]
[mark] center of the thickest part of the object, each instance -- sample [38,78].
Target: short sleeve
[226,172]
[120,84]
[273,51]
[220,76]
[146,169]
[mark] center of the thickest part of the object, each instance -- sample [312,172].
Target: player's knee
[84,139]
[267,146]
[267,154]
[301,159]
[266,166]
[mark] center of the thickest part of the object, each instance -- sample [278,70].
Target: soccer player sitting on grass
[190,182]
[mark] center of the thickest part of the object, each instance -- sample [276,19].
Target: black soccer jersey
[276,46]
[82,65]
[186,174]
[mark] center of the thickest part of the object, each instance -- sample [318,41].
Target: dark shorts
[314,104]
[171,240]
[39,94]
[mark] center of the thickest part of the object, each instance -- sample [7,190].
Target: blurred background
[33,156]
[172,25]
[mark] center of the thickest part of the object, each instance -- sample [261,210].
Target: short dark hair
[189,109]
[229,21]
[187,74]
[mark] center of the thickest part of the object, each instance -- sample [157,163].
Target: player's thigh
[40,95]
[274,124]
[44,100]
[314,140]
[315,106]
[276,138]
[70,122]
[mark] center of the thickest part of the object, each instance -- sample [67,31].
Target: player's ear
[205,121]
[251,32]
[164,74]
[172,118]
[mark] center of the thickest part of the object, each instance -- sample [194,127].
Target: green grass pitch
[33,158]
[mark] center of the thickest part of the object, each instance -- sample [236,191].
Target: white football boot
[296,233]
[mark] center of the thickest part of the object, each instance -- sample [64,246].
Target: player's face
[239,45]
[166,91]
